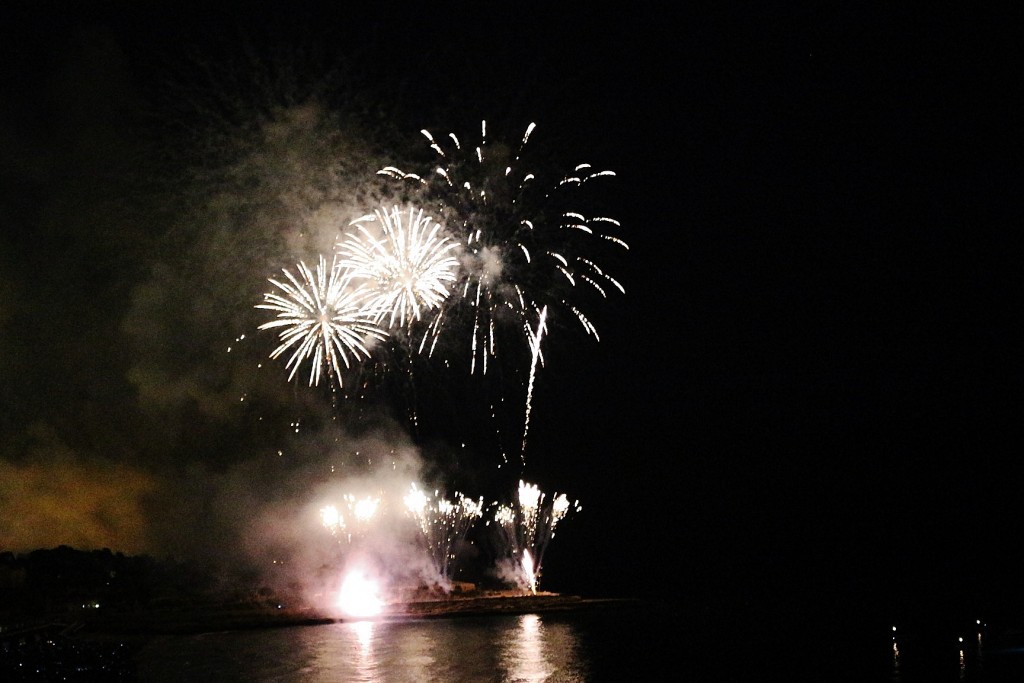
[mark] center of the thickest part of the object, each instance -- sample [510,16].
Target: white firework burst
[406,258]
[322,318]
[527,245]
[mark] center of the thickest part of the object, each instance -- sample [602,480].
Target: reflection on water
[930,652]
[541,652]
[592,646]
[526,648]
[522,658]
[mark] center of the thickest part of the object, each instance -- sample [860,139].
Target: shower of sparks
[408,260]
[443,524]
[354,520]
[525,244]
[527,526]
[323,320]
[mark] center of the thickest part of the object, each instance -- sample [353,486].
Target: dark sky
[811,380]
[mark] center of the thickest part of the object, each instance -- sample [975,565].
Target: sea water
[638,642]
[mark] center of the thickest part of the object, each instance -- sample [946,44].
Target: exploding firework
[409,262]
[526,245]
[323,318]
[527,526]
[442,524]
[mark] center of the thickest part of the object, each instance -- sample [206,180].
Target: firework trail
[527,527]
[442,524]
[323,318]
[535,345]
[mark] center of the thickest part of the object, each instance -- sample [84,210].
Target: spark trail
[535,345]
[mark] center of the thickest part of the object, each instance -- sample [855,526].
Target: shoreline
[143,625]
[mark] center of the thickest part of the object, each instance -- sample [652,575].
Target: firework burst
[526,245]
[323,320]
[408,261]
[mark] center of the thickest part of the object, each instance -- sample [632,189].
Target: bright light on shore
[359,597]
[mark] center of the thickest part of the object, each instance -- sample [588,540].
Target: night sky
[809,390]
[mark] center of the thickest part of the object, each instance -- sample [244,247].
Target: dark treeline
[54,582]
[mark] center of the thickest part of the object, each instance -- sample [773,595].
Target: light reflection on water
[630,643]
[964,652]
[521,649]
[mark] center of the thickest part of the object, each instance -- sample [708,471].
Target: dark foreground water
[628,643]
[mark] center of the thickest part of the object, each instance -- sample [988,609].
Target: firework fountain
[527,527]
[482,257]
[355,521]
[355,518]
[442,524]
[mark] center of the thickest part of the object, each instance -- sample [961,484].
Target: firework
[535,345]
[408,261]
[525,243]
[323,319]
[527,526]
[442,524]
[354,519]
